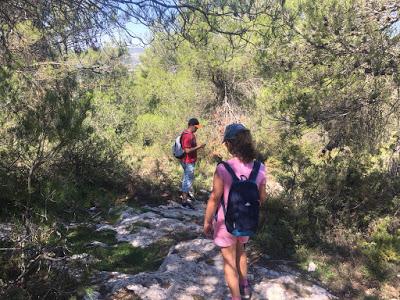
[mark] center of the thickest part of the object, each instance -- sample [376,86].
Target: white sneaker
[191,196]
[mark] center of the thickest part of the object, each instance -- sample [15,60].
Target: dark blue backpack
[242,211]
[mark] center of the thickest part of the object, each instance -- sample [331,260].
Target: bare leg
[241,261]
[230,269]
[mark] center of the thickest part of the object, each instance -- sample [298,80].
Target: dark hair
[242,146]
[193,121]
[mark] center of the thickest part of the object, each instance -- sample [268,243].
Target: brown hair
[242,146]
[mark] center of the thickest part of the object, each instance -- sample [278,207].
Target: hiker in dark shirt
[239,143]
[188,161]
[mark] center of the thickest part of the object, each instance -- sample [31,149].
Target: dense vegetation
[317,82]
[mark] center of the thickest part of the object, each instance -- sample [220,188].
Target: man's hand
[202,145]
[217,158]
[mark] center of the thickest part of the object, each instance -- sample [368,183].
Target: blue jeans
[188,177]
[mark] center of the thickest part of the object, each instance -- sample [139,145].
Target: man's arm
[187,144]
[188,150]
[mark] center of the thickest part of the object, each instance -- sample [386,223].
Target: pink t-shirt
[222,237]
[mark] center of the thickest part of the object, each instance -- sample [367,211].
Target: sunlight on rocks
[153,225]
[287,287]
[193,268]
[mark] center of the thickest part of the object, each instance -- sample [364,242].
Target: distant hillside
[132,59]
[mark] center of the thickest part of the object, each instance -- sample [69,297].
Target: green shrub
[275,236]
[381,247]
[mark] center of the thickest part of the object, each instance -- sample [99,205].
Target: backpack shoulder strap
[183,133]
[230,171]
[254,171]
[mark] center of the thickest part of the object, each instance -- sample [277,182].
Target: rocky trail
[192,269]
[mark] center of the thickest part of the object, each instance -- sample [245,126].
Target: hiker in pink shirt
[238,141]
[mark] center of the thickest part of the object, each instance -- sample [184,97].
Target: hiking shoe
[188,204]
[191,196]
[245,291]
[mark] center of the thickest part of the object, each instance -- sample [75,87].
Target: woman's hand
[208,229]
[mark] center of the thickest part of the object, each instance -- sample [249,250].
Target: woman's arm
[212,203]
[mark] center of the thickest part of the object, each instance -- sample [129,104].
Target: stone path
[192,269]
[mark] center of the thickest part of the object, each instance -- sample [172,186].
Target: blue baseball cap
[231,130]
